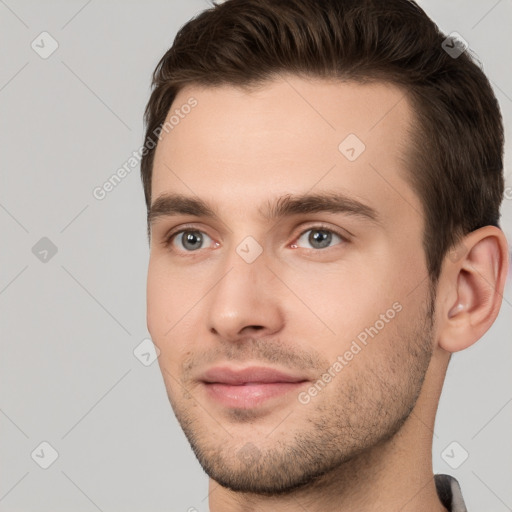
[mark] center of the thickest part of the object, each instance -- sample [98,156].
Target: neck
[386,479]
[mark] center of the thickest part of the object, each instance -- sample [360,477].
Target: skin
[364,441]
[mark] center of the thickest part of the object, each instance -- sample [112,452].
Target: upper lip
[253,374]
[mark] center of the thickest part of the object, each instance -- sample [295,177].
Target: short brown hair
[455,157]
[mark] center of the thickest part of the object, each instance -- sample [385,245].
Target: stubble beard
[329,437]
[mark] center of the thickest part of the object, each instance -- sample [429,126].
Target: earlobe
[473,289]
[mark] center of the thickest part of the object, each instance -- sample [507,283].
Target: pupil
[193,238]
[322,239]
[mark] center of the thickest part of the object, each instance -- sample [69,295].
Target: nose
[245,301]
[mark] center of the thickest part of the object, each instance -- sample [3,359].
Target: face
[287,285]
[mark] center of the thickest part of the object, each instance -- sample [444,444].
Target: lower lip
[246,396]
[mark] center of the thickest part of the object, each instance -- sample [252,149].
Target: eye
[189,240]
[318,237]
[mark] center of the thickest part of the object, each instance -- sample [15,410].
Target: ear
[470,288]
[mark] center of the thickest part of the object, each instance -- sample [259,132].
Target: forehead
[288,136]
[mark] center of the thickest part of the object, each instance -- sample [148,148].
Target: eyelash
[318,227]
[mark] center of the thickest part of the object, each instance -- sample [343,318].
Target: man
[323,182]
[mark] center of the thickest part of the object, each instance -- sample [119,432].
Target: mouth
[250,387]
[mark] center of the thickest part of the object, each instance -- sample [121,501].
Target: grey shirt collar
[448,490]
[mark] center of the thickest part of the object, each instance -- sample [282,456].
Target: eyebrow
[168,205]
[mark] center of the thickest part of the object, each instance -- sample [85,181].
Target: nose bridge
[243,296]
[242,271]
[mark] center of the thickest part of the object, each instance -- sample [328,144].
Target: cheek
[164,308]
[170,312]
[168,296]
[337,304]
[157,302]
[353,312]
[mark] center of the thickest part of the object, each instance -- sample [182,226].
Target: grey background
[69,325]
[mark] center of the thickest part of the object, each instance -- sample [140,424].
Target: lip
[252,374]
[249,387]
